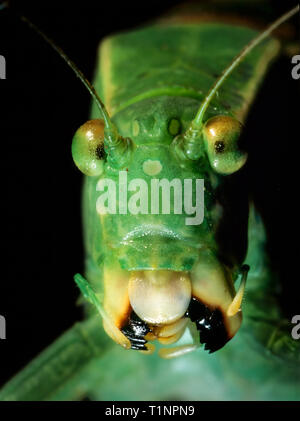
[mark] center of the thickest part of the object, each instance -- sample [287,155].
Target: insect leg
[235,306]
[109,326]
[172,333]
[282,343]
[49,375]
[177,351]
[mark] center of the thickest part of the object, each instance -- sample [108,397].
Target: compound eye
[221,138]
[88,147]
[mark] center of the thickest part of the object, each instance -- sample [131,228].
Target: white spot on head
[152,167]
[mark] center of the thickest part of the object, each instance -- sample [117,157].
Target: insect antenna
[196,124]
[112,138]
[73,66]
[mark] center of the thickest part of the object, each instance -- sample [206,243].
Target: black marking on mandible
[210,324]
[135,330]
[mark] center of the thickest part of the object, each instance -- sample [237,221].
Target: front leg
[109,324]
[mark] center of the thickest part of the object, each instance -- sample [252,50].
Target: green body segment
[152,82]
[180,61]
[260,363]
[148,79]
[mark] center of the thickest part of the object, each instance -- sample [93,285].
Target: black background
[43,104]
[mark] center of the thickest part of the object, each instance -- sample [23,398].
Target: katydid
[151,277]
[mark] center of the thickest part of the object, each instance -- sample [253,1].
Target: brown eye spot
[100,151]
[219,146]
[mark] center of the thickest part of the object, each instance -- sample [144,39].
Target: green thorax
[182,61]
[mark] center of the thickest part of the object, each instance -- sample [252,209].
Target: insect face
[160,273]
[158,264]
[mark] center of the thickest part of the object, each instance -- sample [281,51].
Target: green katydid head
[217,136]
[146,274]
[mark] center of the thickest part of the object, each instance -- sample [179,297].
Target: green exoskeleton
[171,113]
[152,272]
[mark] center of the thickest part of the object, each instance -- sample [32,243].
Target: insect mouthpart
[150,247]
[165,302]
[159,297]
